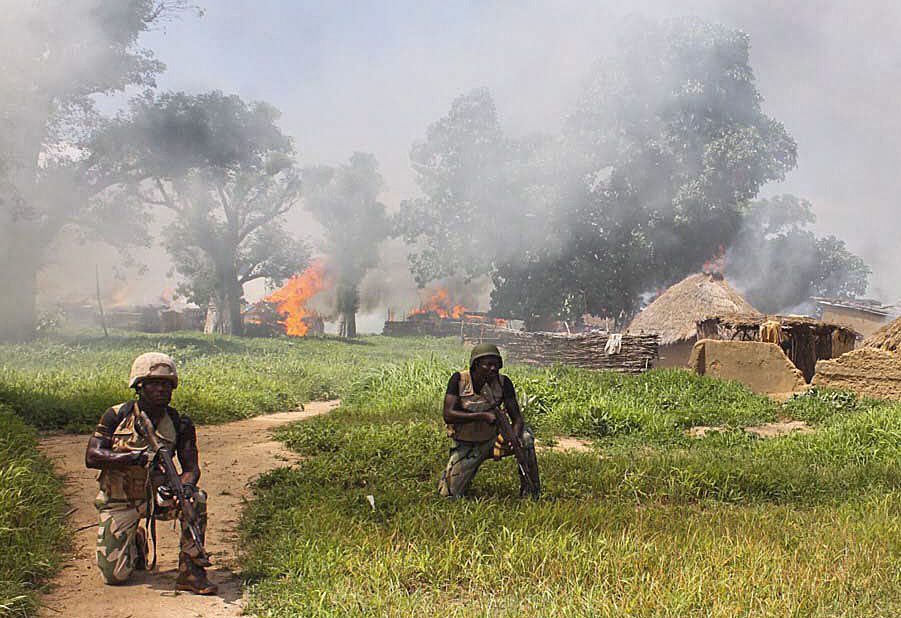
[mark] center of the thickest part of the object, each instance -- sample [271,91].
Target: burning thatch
[290,301]
[673,316]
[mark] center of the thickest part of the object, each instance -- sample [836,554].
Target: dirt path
[228,460]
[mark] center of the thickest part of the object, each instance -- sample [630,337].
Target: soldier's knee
[114,574]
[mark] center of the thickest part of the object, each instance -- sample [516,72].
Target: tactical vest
[491,396]
[130,483]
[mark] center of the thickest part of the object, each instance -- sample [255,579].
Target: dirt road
[231,455]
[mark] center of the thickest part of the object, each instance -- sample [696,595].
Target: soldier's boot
[192,578]
[141,550]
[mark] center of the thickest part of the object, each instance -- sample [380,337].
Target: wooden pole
[100,302]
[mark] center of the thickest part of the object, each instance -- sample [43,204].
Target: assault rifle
[173,480]
[528,467]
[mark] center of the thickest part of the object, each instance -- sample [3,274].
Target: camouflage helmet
[153,365]
[484,349]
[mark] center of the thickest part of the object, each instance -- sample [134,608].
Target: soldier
[471,397]
[132,488]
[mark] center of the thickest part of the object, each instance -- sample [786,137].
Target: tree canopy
[225,172]
[56,57]
[649,177]
[780,263]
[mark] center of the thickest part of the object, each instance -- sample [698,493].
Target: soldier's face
[156,391]
[488,366]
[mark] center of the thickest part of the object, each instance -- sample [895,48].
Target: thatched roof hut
[674,314]
[886,338]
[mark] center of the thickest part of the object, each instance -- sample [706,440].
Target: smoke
[826,70]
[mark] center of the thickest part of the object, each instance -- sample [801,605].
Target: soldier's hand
[165,493]
[141,458]
[489,417]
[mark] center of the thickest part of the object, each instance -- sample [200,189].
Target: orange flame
[290,301]
[716,264]
[439,302]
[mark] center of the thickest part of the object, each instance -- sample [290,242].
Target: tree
[648,179]
[344,200]
[663,150]
[224,170]
[779,263]
[485,196]
[56,57]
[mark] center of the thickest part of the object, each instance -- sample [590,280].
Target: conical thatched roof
[886,338]
[673,316]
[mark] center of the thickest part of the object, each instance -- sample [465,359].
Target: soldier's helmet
[484,349]
[153,365]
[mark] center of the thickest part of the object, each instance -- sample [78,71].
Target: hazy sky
[371,76]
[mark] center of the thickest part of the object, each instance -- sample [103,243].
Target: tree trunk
[18,312]
[224,315]
[19,265]
[349,324]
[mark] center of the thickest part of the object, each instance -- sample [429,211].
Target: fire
[716,264]
[440,303]
[290,301]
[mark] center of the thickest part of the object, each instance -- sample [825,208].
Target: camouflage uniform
[476,441]
[125,499]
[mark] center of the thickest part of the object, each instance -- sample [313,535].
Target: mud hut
[863,315]
[804,340]
[886,338]
[674,315]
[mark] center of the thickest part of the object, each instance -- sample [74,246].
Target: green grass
[32,530]
[650,524]
[66,382]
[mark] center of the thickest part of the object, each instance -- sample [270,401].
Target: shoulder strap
[124,410]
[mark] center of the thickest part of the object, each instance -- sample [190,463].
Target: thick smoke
[825,70]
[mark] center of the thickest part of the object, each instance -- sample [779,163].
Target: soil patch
[564,444]
[767,430]
[231,456]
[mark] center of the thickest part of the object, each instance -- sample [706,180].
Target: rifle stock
[189,514]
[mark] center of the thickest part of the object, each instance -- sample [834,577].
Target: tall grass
[651,523]
[66,382]
[32,531]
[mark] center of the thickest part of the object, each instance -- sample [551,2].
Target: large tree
[664,149]
[55,57]
[485,195]
[344,200]
[658,158]
[225,172]
[780,263]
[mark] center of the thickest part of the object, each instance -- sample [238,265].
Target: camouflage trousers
[465,460]
[119,523]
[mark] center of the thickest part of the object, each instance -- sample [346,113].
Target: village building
[674,315]
[804,341]
[873,370]
[863,315]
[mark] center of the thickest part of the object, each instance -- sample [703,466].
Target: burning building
[286,310]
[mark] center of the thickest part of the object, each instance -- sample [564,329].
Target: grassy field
[649,522]
[32,530]
[66,382]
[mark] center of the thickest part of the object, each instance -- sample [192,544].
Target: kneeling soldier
[132,487]
[472,399]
